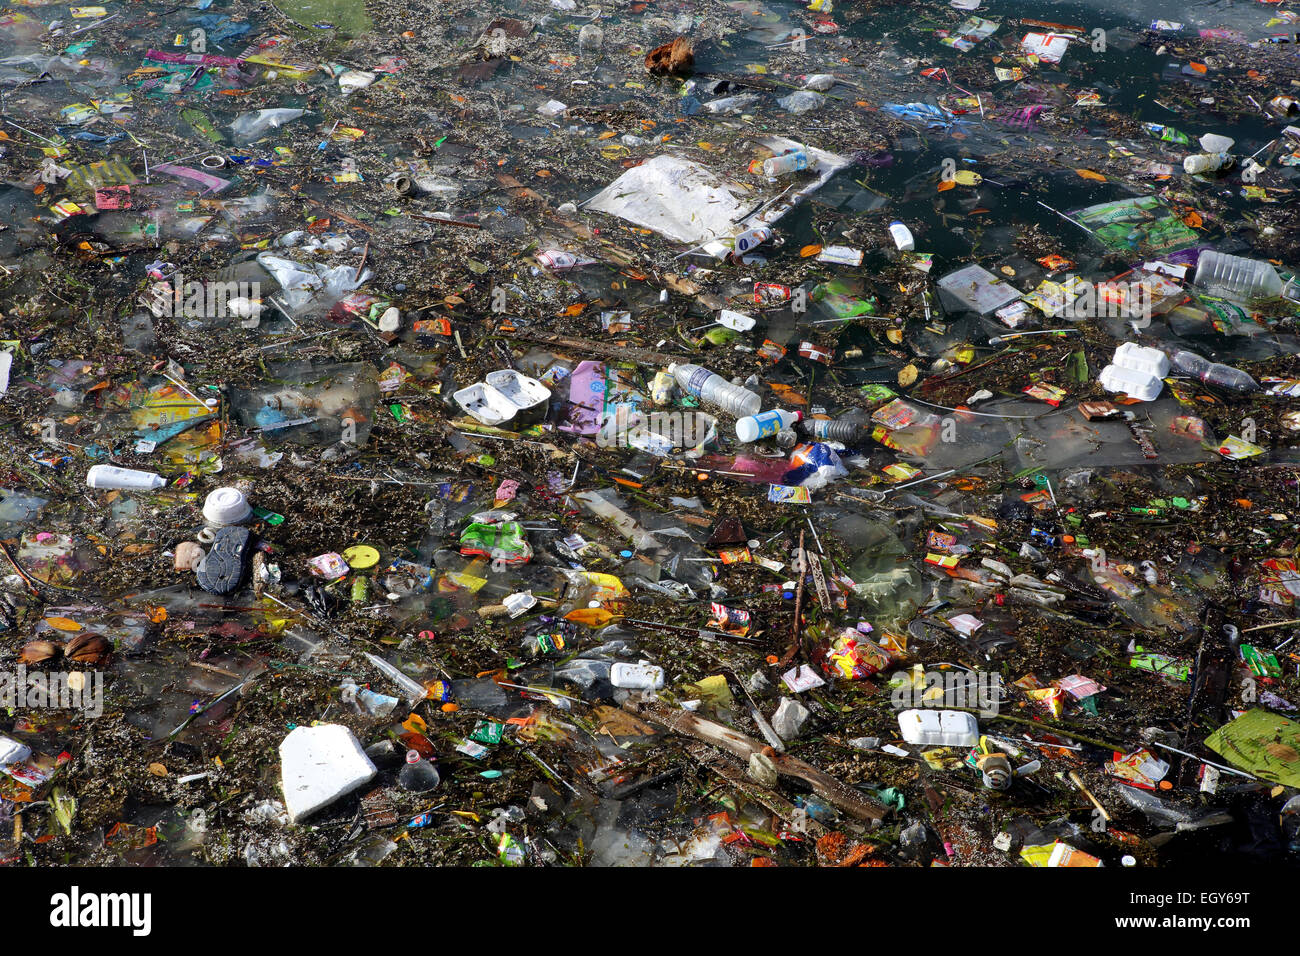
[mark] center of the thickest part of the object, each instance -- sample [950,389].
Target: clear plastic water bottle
[1237,277]
[824,429]
[712,389]
[1199,163]
[418,775]
[791,162]
[1212,373]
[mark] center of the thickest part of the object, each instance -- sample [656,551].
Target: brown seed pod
[88,648]
[36,652]
[677,58]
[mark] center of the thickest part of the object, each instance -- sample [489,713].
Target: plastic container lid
[1139,358]
[226,506]
[361,556]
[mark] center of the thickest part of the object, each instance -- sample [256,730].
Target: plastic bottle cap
[226,506]
[361,556]
[1129,860]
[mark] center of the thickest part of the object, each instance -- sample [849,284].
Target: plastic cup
[226,506]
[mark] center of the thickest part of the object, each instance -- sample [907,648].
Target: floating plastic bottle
[418,775]
[765,424]
[1212,373]
[791,162]
[902,236]
[1199,163]
[602,507]
[751,239]
[1236,277]
[712,389]
[825,429]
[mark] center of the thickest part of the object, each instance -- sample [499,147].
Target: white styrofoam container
[736,321]
[939,728]
[1140,385]
[1141,359]
[528,395]
[486,404]
[640,676]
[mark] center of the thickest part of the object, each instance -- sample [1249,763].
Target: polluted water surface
[752,433]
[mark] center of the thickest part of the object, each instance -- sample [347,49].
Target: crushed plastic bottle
[1237,277]
[1200,163]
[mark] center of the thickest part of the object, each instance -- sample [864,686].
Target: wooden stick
[364,254]
[17,567]
[1078,782]
[626,353]
[687,724]
[798,591]
[1265,627]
